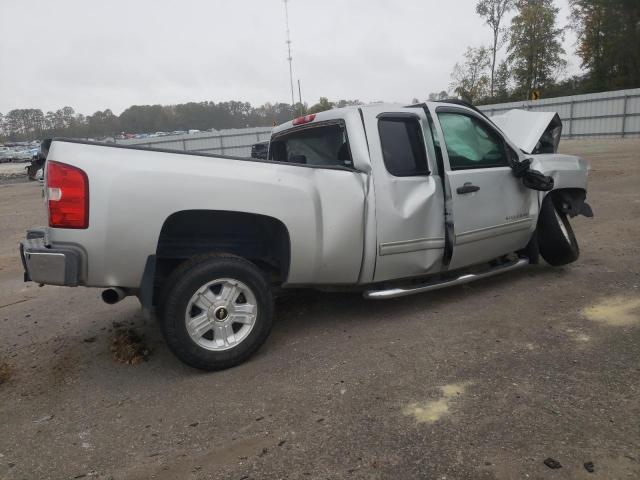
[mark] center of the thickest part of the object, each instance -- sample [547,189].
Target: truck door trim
[487,232]
[407,246]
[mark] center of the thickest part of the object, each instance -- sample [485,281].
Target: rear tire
[557,242]
[217,311]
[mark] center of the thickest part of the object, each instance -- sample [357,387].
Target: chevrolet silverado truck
[388,200]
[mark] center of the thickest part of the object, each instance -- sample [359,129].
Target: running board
[427,287]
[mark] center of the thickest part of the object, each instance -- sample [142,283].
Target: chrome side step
[427,287]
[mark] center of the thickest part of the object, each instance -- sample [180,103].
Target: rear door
[492,212]
[409,202]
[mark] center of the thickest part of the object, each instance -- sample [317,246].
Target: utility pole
[289,58]
[300,97]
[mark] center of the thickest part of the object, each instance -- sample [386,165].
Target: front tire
[557,242]
[217,311]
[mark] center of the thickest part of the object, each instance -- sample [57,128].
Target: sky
[96,54]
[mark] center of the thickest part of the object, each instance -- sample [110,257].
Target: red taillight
[305,119]
[67,195]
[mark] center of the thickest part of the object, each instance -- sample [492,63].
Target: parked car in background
[260,150]
[38,161]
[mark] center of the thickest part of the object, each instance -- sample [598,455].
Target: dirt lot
[484,381]
[13,173]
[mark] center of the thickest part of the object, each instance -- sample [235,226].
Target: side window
[470,143]
[403,146]
[325,145]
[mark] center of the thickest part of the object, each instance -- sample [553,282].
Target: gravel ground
[485,381]
[13,173]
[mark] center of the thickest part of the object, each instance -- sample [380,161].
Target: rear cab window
[319,145]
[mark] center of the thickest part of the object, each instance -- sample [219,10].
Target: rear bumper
[49,264]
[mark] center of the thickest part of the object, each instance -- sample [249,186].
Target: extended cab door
[491,212]
[409,201]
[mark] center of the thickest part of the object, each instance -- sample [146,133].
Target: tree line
[29,123]
[527,57]
[32,123]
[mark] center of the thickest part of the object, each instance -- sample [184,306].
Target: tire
[556,240]
[216,311]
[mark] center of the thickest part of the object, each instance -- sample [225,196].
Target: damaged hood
[532,132]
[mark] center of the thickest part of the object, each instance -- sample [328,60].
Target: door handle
[467,188]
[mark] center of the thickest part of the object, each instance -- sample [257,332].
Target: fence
[604,114]
[235,142]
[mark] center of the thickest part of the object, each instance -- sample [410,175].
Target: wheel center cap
[221,314]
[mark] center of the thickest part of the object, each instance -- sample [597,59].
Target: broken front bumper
[47,264]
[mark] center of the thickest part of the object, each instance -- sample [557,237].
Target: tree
[492,11]
[347,103]
[144,118]
[322,105]
[102,124]
[67,114]
[502,83]
[300,108]
[535,49]
[608,39]
[434,97]
[470,80]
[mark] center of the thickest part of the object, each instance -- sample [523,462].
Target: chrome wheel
[221,314]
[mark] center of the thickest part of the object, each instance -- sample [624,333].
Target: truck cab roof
[531,132]
[337,114]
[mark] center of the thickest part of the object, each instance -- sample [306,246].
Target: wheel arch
[261,239]
[556,241]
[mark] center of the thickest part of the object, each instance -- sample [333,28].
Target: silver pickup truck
[388,200]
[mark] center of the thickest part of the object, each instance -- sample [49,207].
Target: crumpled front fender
[567,171]
[570,174]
